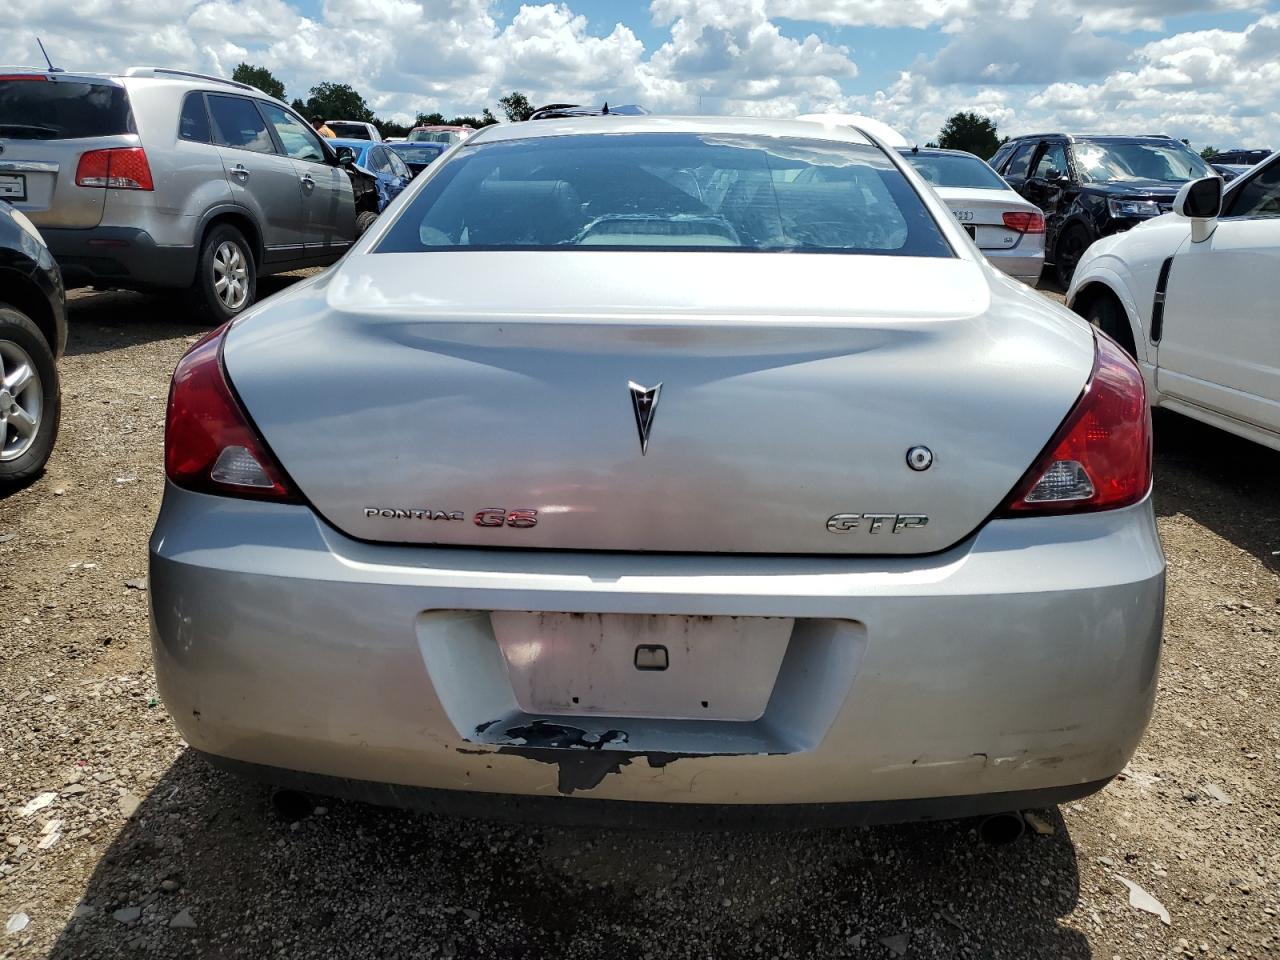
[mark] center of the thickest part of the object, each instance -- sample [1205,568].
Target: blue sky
[1204,69]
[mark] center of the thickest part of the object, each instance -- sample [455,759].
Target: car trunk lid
[490,398]
[981,213]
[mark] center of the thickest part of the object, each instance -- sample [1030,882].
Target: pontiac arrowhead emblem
[644,400]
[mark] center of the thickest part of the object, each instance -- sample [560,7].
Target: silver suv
[161,179]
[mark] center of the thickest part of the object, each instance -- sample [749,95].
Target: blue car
[418,155]
[382,164]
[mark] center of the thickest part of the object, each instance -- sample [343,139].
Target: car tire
[29,416]
[1067,251]
[226,276]
[364,221]
[1105,313]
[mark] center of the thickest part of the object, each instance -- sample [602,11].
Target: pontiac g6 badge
[644,401]
[488,517]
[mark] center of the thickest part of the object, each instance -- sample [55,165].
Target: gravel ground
[142,850]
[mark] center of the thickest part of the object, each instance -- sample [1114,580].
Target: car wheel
[1067,252]
[1109,317]
[364,221]
[226,276]
[30,400]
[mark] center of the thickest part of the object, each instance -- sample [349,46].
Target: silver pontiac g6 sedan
[698,464]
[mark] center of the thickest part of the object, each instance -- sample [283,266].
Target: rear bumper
[1022,662]
[1020,264]
[120,256]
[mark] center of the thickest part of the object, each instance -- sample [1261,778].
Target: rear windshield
[434,136]
[351,131]
[955,170]
[661,191]
[62,110]
[417,153]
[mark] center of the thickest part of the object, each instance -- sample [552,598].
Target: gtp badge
[644,400]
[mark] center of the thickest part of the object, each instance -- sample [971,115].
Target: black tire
[18,337]
[217,262]
[1067,251]
[364,220]
[1108,316]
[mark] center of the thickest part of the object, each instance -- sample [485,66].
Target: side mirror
[1200,201]
[346,156]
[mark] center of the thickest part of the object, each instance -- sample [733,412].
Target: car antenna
[52,68]
[916,148]
[605,111]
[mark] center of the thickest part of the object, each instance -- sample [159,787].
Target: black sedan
[33,334]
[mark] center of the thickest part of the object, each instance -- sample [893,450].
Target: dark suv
[1093,186]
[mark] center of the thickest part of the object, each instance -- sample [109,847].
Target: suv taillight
[1100,458]
[209,444]
[124,168]
[1024,222]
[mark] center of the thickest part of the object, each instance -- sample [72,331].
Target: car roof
[937,152]
[755,126]
[433,127]
[356,142]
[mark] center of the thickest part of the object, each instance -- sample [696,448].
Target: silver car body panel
[515,395]
[1021,659]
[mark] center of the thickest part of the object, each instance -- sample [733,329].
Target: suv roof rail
[171,72]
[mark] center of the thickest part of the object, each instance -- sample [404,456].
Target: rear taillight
[209,444]
[124,168]
[22,76]
[1024,222]
[1100,458]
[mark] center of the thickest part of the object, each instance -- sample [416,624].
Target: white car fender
[1112,273]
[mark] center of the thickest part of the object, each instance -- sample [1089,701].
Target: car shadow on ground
[1206,473]
[355,880]
[99,321]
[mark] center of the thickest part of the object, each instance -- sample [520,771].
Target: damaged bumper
[1018,666]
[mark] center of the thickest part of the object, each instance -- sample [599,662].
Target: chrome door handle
[239,171]
[307,181]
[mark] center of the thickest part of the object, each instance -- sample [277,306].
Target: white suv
[1192,296]
[161,179]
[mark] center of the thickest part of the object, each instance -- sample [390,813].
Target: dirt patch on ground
[143,850]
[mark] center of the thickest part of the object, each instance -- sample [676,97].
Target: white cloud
[1026,63]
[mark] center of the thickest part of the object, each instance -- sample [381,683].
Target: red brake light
[1024,222]
[1100,458]
[23,76]
[209,444]
[124,168]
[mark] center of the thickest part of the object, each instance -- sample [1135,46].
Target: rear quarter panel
[189,177]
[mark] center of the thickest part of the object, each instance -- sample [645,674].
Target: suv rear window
[664,191]
[43,109]
[349,130]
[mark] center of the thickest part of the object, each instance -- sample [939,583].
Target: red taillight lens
[124,168]
[1100,458]
[1024,222]
[209,444]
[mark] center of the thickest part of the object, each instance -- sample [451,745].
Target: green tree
[336,101]
[485,119]
[301,108]
[429,120]
[1208,152]
[516,106]
[259,77]
[972,132]
[390,128]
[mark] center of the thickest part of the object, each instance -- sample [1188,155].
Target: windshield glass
[955,170]
[349,129]
[62,110]
[417,153]
[434,136]
[1103,161]
[669,190]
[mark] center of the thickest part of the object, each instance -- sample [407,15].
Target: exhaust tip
[292,805]
[1001,829]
